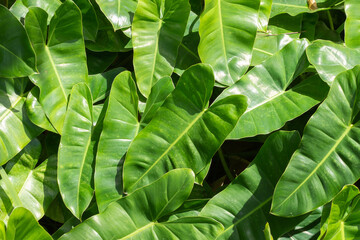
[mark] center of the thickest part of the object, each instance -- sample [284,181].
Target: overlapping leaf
[227,34]
[352,23]
[269,96]
[244,205]
[61,59]
[157,30]
[120,126]
[17,57]
[136,215]
[327,158]
[185,132]
[16,130]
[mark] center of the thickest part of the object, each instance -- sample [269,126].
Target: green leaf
[227,35]
[89,19]
[100,84]
[16,130]
[264,14]
[136,215]
[330,59]
[22,225]
[109,41]
[343,221]
[120,127]
[352,23]
[61,59]
[36,112]
[309,228]
[36,187]
[326,159]
[119,12]
[76,152]
[21,7]
[199,131]
[17,57]
[295,7]
[271,103]
[267,232]
[244,205]
[157,30]
[98,62]
[159,92]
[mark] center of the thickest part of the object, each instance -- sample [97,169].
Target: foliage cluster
[178,119]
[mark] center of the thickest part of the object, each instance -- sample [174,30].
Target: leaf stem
[330,20]
[225,166]
[10,188]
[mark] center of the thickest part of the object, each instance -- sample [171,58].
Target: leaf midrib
[192,123]
[138,231]
[347,130]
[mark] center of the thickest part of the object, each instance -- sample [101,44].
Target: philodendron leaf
[17,57]
[352,37]
[264,14]
[21,7]
[22,225]
[136,215]
[35,187]
[327,158]
[295,7]
[120,127]
[269,96]
[185,132]
[36,112]
[330,59]
[227,34]
[157,31]
[61,58]
[343,221]
[16,130]
[119,12]
[89,19]
[76,152]
[244,205]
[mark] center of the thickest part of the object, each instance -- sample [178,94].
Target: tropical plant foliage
[179,119]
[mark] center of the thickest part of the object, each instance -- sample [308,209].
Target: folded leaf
[136,215]
[120,126]
[22,225]
[157,30]
[243,206]
[16,130]
[227,35]
[21,7]
[327,157]
[17,57]
[330,59]
[61,58]
[89,19]
[76,151]
[352,22]
[184,133]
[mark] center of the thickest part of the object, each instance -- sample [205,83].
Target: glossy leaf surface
[89,19]
[22,225]
[157,31]
[16,130]
[330,59]
[120,127]
[17,57]
[141,222]
[199,131]
[228,28]
[325,160]
[61,64]
[243,206]
[21,7]
[352,23]
[76,152]
[269,96]
[119,12]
